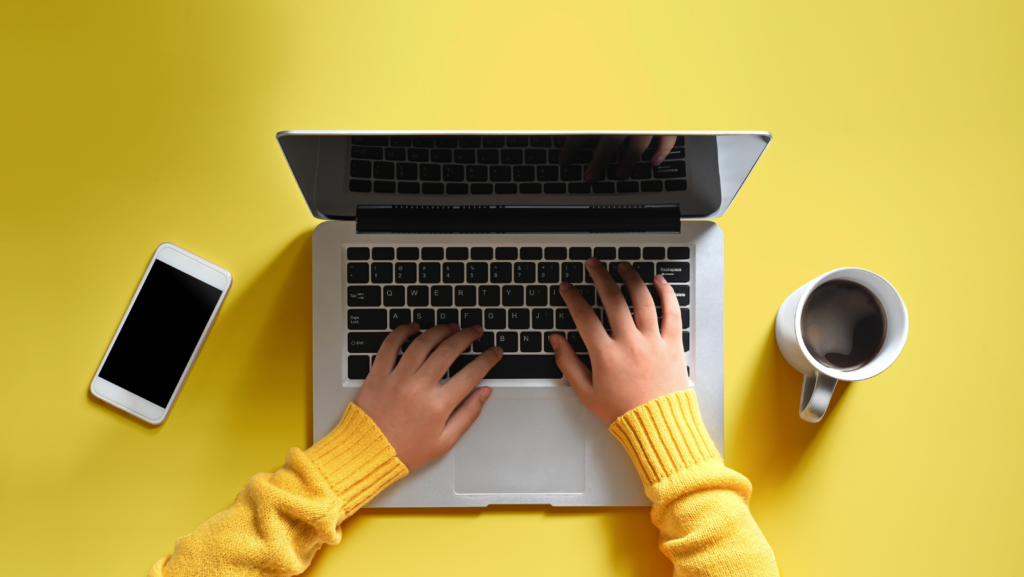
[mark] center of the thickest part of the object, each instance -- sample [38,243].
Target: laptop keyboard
[511,292]
[499,164]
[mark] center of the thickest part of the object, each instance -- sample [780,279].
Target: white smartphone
[161,333]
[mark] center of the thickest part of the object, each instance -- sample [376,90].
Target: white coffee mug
[820,380]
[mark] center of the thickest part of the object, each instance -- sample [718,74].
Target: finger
[587,323]
[665,144]
[579,376]
[636,147]
[615,307]
[389,348]
[671,318]
[606,147]
[643,305]
[420,348]
[572,145]
[444,355]
[470,376]
[463,417]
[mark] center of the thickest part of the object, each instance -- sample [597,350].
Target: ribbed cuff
[356,458]
[665,436]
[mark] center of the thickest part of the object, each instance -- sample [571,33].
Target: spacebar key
[516,367]
[365,342]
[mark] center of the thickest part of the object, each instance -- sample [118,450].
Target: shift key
[365,342]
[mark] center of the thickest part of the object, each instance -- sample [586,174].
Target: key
[563,319]
[641,170]
[383,253]
[512,296]
[654,253]
[425,317]
[440,156]
[423,141]
[547,272]
[670,170]
[365,342]
[465,296]
[679,252]
[465,156]
[675,185]
[430,272]
[518,318]
[516,367]
[394,296]
[604,187]
[487,156]
[628,187]
[501,173]
[506,253]
[686,342]
[629,253]
[523,173]
[651,186]
[457,188]
[432,253]
[493,141]
[511,156]
[358,272]
[453,172]
[525,272]
[364,296]
[367,152]
[554,188]
[361,168]
[476,272]
[384,170]
[682,293]
[482,188]
[490,295]
[476,173]
[446,142]
[579,253]
[547,173]
[456,253]
[447,316]
[394,154]
[494,318]
[675,272]
[405,272]
[453,272]
[430,172]
[358,366]
[472,317]
[518,141]
[572,272]
[419,154]
[572,172]
[555,253]
[543,319]
[556,297]
[588,293]
[547,340]
[370,140]
[605,253]
[481,253]
[501,272]
[646,270]
[357,253]
[419,296]
[529,342]
[360,185]
[485,342]
[576,342]
[536,296]
[408,253]
[381,272]
[505,188]
[441,296]
[531,253]
[536,156]
[540,141]
[383,186]
[613,269]
[399,317]
[367,319]
[509,342]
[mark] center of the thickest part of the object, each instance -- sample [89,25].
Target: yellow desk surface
[897,148]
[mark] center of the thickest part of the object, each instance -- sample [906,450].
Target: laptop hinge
[477,219]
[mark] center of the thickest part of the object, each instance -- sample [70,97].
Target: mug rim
[874,366]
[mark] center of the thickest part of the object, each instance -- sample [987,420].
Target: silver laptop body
[534,442]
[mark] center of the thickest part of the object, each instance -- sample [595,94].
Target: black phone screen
[160,334]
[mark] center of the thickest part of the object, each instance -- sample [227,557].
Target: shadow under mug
[820,380]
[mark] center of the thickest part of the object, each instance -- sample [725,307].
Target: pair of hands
[637,362]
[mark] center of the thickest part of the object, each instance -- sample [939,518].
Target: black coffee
[843,325]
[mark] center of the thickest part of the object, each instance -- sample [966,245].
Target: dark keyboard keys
[572,272]
[469,141]
[530,188]
[465,296]
[419,155]
[370,140]
[358,272]
[360,169]
[405,272]
[588,293]
[579,188]
[525,272]
[531,253]
[501,173]
[651,186]
[383,253]
[480,345]
[394,296]
[453,272]
[547,272]
[367,319]
[408,253]
[476,173]
[360,185]
[465,156]
[530,342]
[536,296]
[543,318]
[476,272]
[670,170]
[629,253]
[605,253]
[456,188]
[679,252]
[433,188]
[384,170]
[364,296]
[430,172]
[563,319]
[506,253]
[675,185]
[654,253]
[365,342]
[481,188]
[516,366]
[487,156]
[357,253]
[547,340]
[579,253]
[367,152]
[430,272]
[394,154]
[358,366]
[536,156]
[447,316]
[509,342]
[576,342]
[441,296]
[501,272]
[446,142]
[456,253]
[419,296]
[453,172]
[432,253]
[547,173]
[512,296]
[383,186]
[519,318]
[425,318]
[555,253]
[572,172]
[494,319]
[399,317]
[603,187]
[523,173]
[682,293]
[471,317]
[505,188]
[686,342]
[423,141]
[493,141]
[517,141]
[554,188]
[381,272]
[440,156]
[675,272]
[646,270]
[490,295]
[627,186]
[509,156]
[556,296]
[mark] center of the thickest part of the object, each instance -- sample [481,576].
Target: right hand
[634,364]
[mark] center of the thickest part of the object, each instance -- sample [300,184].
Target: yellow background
[897,148]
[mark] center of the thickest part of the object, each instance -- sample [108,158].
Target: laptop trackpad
[523,446]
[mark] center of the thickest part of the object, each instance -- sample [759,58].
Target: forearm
[280,520]
[699,505]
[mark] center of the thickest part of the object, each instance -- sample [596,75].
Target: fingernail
[660,279]
[592,261]
[623,265]
[564,286]
[498,350]
[478,328]
[554,342]
[486,394]
[657,160]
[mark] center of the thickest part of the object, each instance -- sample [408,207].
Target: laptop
[481,228]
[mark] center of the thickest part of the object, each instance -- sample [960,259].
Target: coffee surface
[843,325]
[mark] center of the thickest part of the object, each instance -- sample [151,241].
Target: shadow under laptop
[770,437]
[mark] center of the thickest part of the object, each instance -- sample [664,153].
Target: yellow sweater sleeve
[700,505]
[280,520]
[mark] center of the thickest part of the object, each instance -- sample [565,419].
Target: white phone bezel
[196,267]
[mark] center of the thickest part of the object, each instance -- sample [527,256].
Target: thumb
[578,375]
[464,416]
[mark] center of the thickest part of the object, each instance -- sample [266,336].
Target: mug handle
[816,395]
